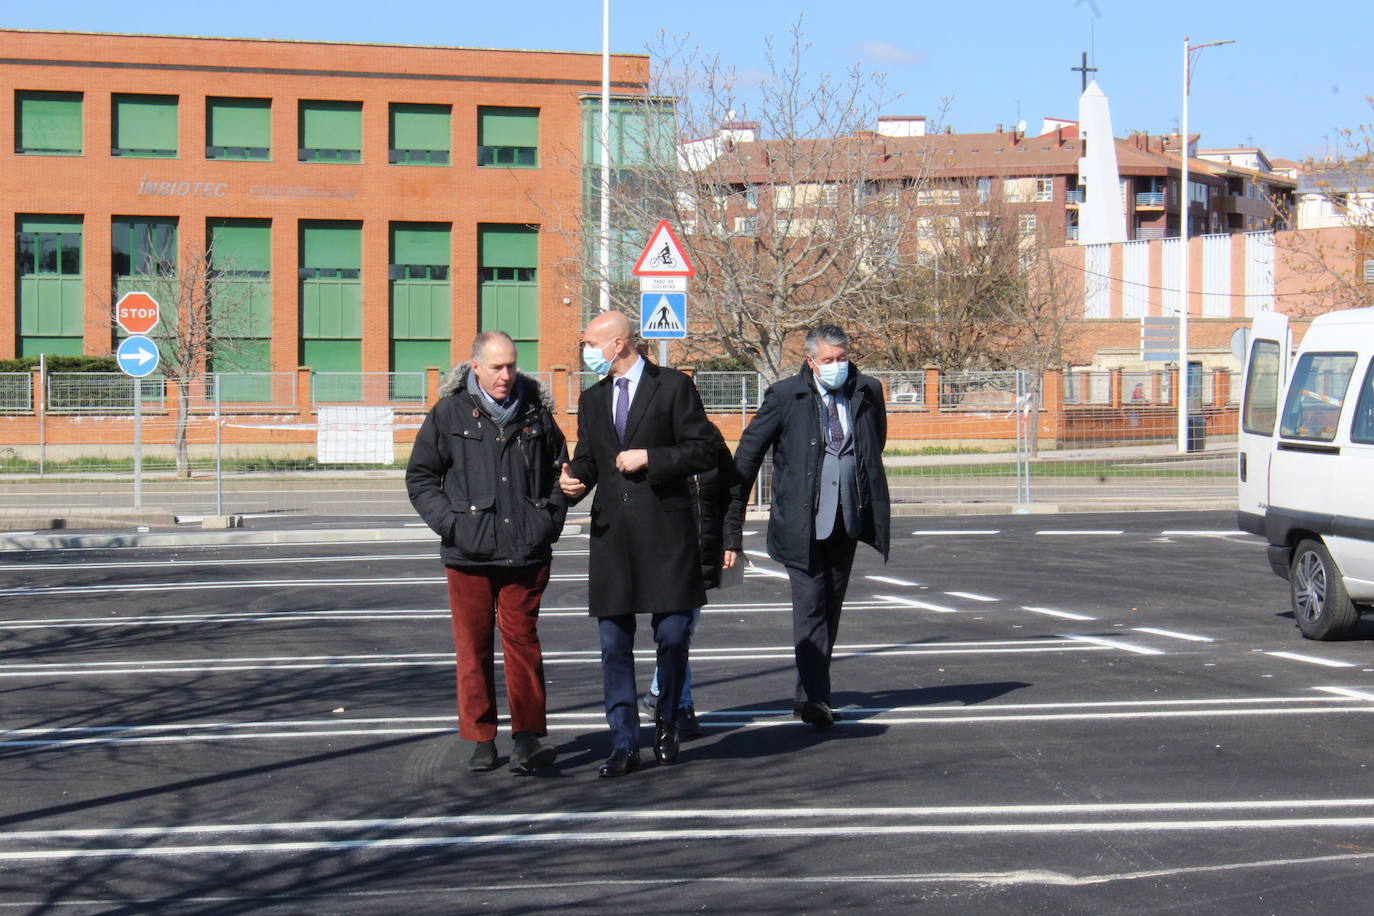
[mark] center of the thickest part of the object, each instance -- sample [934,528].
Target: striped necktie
[622,407]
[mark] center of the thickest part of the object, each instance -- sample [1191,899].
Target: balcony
[1148,232]
[1071,233]
[1074,196]
[1149,199]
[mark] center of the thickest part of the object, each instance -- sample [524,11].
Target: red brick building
[380,204]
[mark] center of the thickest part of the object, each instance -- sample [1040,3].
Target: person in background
[720,545]
[641,434]
[483,474]
[826,427]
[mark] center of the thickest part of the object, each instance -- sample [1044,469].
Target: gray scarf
[501,414]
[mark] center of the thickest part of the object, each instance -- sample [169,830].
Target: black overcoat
[789,422]
[644,552]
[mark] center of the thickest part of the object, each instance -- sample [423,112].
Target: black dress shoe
[530,754]
[814,712]
[687,725]
[665,742]
[620,763]
[483,756]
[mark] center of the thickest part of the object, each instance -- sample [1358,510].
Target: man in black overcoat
[641,433]
[827,427]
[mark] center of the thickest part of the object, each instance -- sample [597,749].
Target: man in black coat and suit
[827,427]
[641,433]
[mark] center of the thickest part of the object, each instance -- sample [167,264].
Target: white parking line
[1078,531]
[1313,660]
[971,596]
[1115,644]
[1200,533]
[1347,692]
[298,729]
[1067,615]
[132,667]
[533,827]
[923,605]
[953,531]
[891,581]
[1174,634]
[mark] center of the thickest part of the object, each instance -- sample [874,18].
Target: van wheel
[1320,605]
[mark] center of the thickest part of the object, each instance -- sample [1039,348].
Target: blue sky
[1290,81]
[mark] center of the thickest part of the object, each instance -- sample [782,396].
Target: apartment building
[1038,176]
[375,205]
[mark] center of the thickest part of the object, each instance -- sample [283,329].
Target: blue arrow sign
[137,356]
[662,316]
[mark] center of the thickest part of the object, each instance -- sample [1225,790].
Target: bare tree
[1332,258]
[206,316]
[793,211]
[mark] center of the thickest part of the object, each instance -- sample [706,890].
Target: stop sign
[136,313]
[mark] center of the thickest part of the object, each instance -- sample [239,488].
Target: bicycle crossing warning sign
[663,256]
[662,316]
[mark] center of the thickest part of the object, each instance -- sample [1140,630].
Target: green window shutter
[418,355]
[243,295]
[333,126]
[65,224]
[48,122]
[50,306]
[420,243]
[331,303]
[333,355]
[511,307]
[508,246]
[145,125]
[508,126]
[420,310]
[332,243]
[241,245]
[422,127]
[238,128]
[53,346]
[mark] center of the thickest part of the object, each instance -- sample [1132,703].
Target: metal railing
[16,392]
[729,390]
[977,391]
[1074,196]
[1151,232]
[903,390]
[1149,199]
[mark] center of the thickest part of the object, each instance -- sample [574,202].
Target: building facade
[372,207]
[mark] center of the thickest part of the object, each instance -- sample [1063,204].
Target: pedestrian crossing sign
[662,316]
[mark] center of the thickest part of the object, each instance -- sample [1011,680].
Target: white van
[1307,463]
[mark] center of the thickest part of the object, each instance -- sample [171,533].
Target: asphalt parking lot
[1073,713]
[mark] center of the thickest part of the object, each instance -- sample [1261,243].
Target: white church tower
[1102,214]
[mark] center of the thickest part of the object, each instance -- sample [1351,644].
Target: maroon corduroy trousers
[483,599]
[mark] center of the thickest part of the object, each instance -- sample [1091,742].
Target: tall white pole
[604,233]
[1185,205]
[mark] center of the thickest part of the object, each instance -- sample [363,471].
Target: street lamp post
[1185,205]
[604,230]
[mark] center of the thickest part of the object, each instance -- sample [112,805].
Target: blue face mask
[595,360]
[832,375]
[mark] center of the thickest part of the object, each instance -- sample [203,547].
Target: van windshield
[1313,406]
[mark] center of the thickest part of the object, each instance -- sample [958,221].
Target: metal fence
[988,443]
[16,392]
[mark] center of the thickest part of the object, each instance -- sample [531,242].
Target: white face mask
[594,358]
[832,375]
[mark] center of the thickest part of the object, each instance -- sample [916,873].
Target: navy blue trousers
[673,633]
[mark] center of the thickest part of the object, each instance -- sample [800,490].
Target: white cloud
[888,53]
